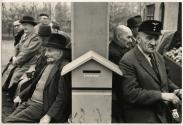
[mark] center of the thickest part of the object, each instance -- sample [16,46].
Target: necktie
[154,66]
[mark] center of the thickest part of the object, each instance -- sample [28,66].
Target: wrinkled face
[18,27]
[44,20]
[28,27]
[53,54]
[124,37]
[147,42]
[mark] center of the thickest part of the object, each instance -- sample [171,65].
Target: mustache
[152,46]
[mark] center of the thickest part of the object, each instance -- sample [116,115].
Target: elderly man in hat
[120,44]
[48,97]
[146,91]
[27,52]
[133,23]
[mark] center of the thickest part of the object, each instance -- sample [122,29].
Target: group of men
[144,94]
[35,83]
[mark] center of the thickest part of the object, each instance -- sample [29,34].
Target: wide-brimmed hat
[44,31]
[152,27]
[134,21]
[29,20]
[57,41]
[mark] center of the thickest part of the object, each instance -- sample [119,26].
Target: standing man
[146,91]
[133,23]
[43,20]
[48,96]
[18,28]
[120,44]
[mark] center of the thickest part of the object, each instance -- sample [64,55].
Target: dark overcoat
[141,88]
[56,94]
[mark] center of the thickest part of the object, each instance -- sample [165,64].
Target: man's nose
[153,42]
[46,53]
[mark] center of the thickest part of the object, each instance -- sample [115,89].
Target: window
[150,12]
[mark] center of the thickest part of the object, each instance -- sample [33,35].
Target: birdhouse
[91,87]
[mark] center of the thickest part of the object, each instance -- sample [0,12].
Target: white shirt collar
[146,56]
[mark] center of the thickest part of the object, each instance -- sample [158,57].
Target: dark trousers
[117,114]
[27,112]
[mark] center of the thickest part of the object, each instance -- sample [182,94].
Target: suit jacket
[141,88]
[56,94]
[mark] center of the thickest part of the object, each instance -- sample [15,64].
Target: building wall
[170,14]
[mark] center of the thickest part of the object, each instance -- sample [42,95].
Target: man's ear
[118,36]
[138,39]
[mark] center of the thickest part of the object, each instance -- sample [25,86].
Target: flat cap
[152,27]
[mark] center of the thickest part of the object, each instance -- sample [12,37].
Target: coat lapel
[144,63]
[52,73]
[161,70]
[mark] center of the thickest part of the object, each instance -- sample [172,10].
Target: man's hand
[17,100]
[178,92]
[14,59]
[45,119]
[171,97]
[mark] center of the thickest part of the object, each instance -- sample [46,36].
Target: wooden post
[91,100]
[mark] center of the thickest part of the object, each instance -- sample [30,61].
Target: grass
[7,51]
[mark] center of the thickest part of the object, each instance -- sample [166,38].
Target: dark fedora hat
[134,21]
[44,31]
[152,27]
[57,41]
[29,20]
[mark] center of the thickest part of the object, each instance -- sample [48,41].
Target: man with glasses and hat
[48,98]
[27,51]
[146,91]
[18,30]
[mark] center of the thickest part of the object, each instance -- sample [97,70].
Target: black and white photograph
[91,62]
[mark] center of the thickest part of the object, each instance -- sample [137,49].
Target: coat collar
[58,65]
[144,63]
[52,73]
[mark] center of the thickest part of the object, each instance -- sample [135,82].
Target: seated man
[27,51]
[48,97]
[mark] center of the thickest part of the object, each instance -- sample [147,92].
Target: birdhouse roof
[91,55]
